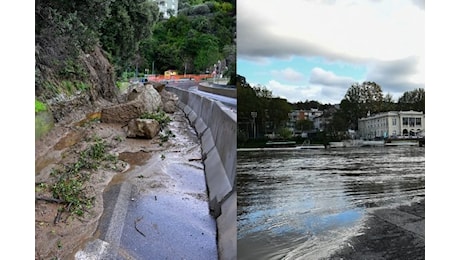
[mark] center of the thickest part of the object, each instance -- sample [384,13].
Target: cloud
[396,76]
[336,30]
[332,94]
[419,3]
[385,36]
[293,93]
[288,74]
[328,78]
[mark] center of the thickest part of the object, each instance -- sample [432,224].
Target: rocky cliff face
[81,84]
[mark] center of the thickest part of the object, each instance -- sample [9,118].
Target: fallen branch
[58,217]
[60,210]
[135,226]
[49,199]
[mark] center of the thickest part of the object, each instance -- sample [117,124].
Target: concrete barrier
[215,125]
[218,89]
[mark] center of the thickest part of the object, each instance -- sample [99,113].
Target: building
[319,123]
[314,115]
[392,124]
[165,5]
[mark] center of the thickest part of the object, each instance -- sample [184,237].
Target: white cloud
[329,78]
[288,74]
[293,93]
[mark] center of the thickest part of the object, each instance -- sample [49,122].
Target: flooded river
[305,204]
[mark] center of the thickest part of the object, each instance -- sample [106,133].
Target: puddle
[135,158]
[67,141]
[89,117]
[43,162]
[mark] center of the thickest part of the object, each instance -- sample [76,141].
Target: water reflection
[306,203]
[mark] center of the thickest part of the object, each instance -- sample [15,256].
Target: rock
[169,100]
[142,99]
[159,87]
[142,128]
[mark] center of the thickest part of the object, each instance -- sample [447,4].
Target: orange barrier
[196,77]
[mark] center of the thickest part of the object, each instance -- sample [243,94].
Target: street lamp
[254,115]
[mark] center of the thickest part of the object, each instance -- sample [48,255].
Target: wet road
[158,208]
[192,86]
[307,204]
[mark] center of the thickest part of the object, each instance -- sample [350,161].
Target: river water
[305,204]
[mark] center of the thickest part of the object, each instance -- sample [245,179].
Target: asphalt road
[192,86]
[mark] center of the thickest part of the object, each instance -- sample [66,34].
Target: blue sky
[315,49]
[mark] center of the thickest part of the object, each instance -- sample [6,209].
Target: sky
[316,49]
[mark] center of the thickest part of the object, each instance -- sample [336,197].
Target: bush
[161,117]
[39,106]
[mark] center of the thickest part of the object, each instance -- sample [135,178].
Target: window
[418,121]
[405,121]
[394,121]
[412,121]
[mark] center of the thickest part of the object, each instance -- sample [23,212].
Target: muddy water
[305,204]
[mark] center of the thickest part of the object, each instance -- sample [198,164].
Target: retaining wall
[216,126]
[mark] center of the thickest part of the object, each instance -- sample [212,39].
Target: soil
[58,236]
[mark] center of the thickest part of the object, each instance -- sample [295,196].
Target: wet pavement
[393,233]
[158,208]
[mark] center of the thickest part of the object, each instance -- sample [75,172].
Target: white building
[392,124]
[165,5]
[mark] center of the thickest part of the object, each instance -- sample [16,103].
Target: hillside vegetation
[82,48]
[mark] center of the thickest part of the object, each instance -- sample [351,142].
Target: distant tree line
[359,100]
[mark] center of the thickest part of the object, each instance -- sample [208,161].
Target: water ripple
[307,203]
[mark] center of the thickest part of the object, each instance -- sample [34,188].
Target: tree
[196,39]
[248,102]
[272,112]
[278,112]
[361,99]
[304,124]
[413,100]
[285,133]
[388,103]
[130,22]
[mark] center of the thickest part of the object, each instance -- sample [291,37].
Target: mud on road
[59,235]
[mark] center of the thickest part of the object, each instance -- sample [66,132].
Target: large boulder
[141,99]
[169,100]
[142,128]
